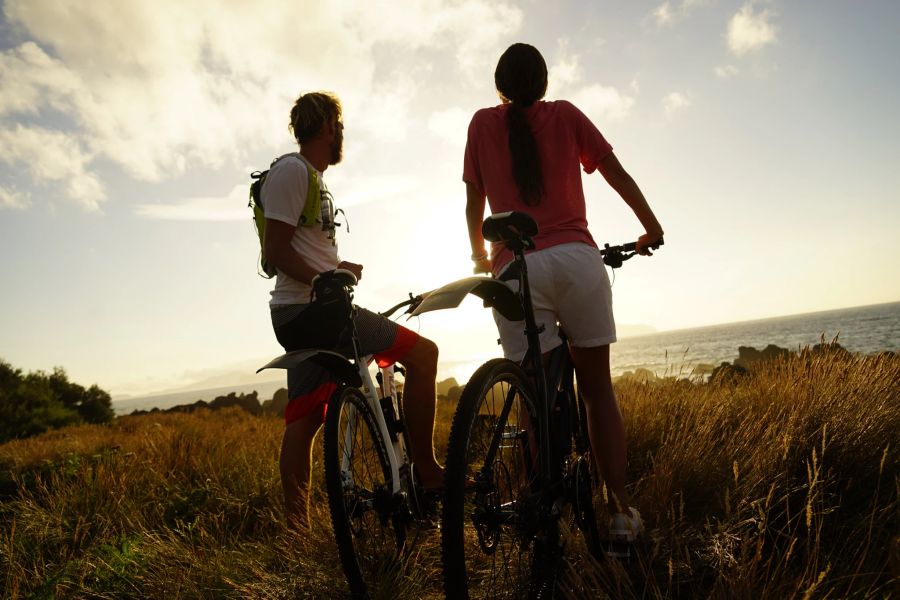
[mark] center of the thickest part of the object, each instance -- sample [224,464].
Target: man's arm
[474,217]
[619,179]
[281,255]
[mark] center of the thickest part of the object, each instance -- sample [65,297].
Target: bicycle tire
[496,520]
[365,517]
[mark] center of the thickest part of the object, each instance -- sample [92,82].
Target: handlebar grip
[632,246]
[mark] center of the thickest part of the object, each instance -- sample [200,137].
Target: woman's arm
[619,179]
[474,216]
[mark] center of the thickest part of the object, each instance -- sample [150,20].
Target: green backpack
[311,209]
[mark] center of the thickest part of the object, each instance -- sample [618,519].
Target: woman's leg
[605,425]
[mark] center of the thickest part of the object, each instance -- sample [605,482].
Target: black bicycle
[520,477]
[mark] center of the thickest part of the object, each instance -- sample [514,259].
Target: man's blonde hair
[310,112]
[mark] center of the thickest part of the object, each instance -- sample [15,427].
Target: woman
[525,155]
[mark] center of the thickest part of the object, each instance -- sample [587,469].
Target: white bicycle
[373,493]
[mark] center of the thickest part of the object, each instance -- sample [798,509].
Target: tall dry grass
[783,484]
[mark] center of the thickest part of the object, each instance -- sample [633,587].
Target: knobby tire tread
[339,519]
[453,520]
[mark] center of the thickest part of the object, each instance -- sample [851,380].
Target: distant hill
[265,389]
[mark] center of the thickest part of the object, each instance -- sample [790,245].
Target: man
[300,243]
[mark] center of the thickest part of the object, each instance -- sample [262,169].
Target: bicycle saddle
[512,226]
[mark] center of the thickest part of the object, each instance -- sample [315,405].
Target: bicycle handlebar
[412,302]
[614,256]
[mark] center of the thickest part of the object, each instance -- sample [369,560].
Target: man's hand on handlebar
[352,267]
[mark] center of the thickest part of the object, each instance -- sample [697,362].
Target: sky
[763,133]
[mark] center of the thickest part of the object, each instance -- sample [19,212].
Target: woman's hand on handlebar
[482,265]
[648,239]
[352,267]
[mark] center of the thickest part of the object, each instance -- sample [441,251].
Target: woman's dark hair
[521,78]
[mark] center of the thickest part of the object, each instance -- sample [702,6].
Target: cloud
[355,190]
[726,71]
[233,207]
[159,87]
[385,116]
[667,13]
[597,101]
[566,72]
[30,80]
[53,156]
[675,102]
[605,103]
[14,199]
[450,124]
[663,14]
[474,28]
[749,30]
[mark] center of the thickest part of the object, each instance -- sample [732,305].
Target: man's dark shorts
[309,385]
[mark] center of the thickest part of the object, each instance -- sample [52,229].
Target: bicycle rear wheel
[491,539]
[365,514]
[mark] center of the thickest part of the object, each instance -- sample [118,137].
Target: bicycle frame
[356,373]
[395,445]
[534,366]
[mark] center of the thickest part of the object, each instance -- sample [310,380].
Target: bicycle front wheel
[490,521]
[364,513]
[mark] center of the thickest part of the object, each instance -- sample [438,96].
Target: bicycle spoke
[493,445]
[364,512]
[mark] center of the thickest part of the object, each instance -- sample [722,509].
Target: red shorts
[315,401]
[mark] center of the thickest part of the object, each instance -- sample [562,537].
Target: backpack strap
[312,206]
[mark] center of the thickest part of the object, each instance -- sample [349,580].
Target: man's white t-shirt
[284,196]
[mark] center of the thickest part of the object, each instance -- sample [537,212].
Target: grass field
[781,484]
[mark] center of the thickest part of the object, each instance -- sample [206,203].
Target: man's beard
[337,150]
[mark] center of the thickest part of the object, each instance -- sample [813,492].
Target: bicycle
[373,494]
[519,468]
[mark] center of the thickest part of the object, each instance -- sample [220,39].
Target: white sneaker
[626,528]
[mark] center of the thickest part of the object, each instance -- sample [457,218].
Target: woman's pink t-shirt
[565,139]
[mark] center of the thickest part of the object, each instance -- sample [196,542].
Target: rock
[249,402]
[728,373]
[831,348]
[277,404]
[640,375]
[702,369]
[443,387]
[747,355]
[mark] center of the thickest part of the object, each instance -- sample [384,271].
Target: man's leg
[294,463]
[418,406]
[605,425]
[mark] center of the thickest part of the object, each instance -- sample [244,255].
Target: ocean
[864,329]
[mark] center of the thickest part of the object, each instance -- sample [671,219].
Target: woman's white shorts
[570,291]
